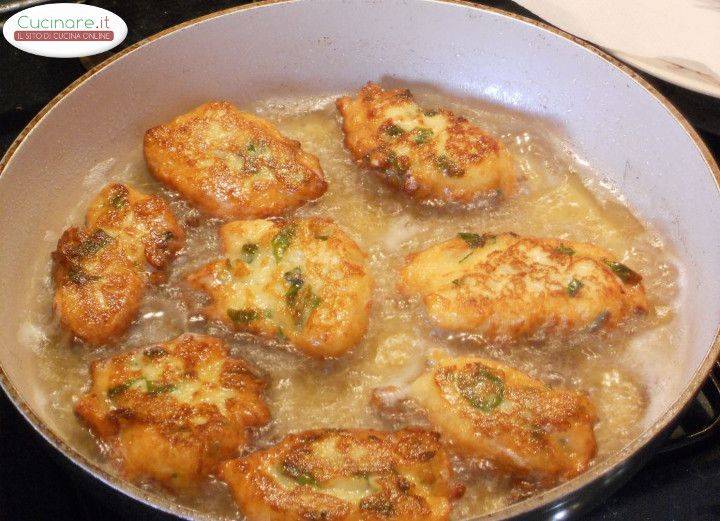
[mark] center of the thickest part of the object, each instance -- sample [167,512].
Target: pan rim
[608,466]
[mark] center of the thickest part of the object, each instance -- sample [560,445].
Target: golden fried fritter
[494,412]
[97,292]
[144,224]
[232,164]
[303,280]
[433,155]
[344,475]
[171,412]
[99,270]
[506,287]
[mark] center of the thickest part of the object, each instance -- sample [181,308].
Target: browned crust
[96,299]
[210,155]
[99,269]
[546,436]
[466,298]
[461,165]
[386,458]
[343,288]
[610,466]
[147,219]
[155,436]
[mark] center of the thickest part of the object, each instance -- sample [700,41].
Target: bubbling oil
[560,198]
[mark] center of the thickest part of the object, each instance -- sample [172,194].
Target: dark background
[38,484]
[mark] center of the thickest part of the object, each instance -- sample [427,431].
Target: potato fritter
[304,281]
[232,164]
[433,155]
[496,413]
[343,475]
[99,270]
[507,287]
[171,412]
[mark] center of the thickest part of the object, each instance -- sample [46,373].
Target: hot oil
[305,394]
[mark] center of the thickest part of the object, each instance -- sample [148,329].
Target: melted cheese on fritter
[345,475]
[433,155]
[493,412]
[506,286]
[99,270]
[232,164]
[172,411]
[304,281]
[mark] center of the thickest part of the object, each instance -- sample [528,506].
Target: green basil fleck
[564,250]
[448,167]
[394,130]
[243,316]
[573,288]
[121,388]
[627,275]
[154,389]
[396,167]
[78,275]
[256,148]
[117,389]
[303,478]
[294,278]
[306,479]
[302,303]
[422,135]
[281,242]
[473,386]
[249,252]
[93,244]
[155,352]
[118,200]
[475,241]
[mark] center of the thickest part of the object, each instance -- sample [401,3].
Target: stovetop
[38,484]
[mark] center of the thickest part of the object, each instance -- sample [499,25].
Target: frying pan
[608,116]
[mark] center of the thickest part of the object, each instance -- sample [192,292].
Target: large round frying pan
[610,116]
